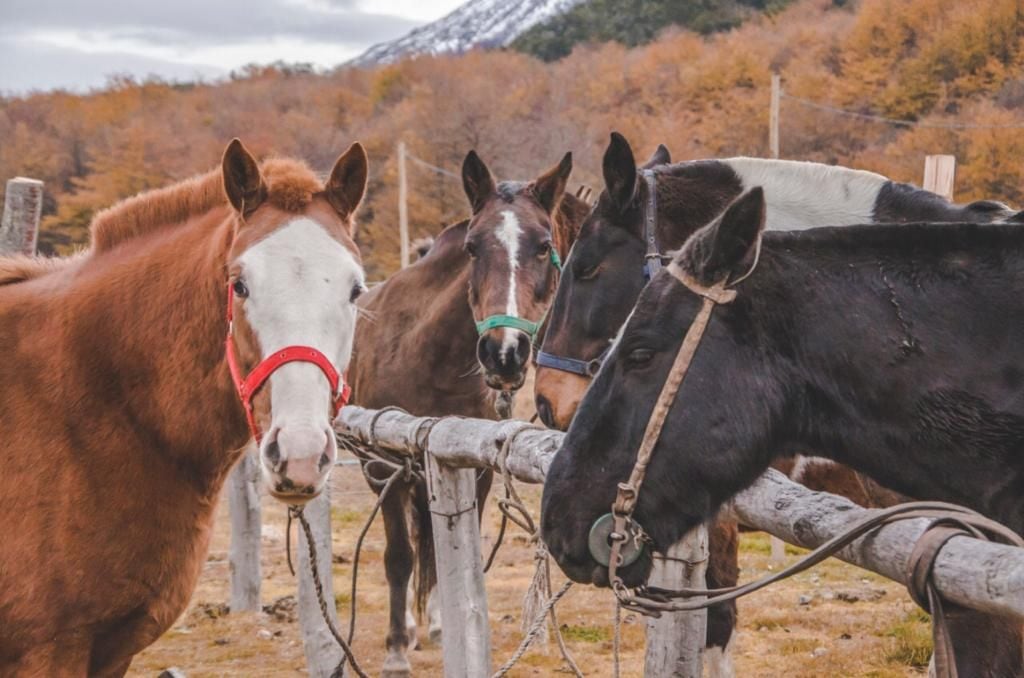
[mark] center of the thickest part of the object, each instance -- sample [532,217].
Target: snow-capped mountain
[478,23]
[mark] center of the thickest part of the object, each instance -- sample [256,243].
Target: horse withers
[445,336]
[895,349]
[135,374]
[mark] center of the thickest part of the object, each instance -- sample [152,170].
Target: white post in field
[403,205]
[939,173]
[773,116]
[244,552]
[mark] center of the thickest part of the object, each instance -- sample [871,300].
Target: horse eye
[470,248]
[641,356]
[587,273]
[544,251]
[357,291]
[240,289]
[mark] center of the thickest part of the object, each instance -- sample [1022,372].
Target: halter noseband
[615,538]
[652,264]
[249,384]
[514,321]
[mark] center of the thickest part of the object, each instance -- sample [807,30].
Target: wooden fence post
[244,553]
[675,641]
[460,574]
[403,205]
[23,204]
[939,173]
[322,652]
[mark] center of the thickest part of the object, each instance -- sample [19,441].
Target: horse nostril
[544,411]
[523,348]
[273,455]
[325,460]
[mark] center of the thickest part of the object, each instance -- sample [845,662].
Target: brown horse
[119,407]
[423,346]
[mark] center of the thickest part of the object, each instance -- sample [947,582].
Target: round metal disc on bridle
[600,545]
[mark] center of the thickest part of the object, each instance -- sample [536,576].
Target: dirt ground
[834,621]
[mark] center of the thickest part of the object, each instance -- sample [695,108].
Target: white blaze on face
[300,282]
[508,233]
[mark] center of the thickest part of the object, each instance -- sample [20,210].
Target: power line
[433,168]
[893,121]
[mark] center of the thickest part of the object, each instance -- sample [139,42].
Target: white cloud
[75,44]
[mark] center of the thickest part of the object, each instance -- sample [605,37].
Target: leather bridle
[652,264]
[618,529]
[247,385]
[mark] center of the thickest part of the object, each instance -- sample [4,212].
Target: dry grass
[880,635]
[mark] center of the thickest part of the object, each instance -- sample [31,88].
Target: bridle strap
[247,385]
[652,259]
[626,496]
[652,264]
[584,368]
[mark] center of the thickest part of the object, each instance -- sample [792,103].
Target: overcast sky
[76,44]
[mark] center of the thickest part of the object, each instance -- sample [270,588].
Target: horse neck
[161,302]
[798,195]
[890,381]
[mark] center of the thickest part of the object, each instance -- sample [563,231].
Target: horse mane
[569,216]
[19,268]
[290,187]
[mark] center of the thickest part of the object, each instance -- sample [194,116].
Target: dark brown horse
[895,349]
[608,265]
[426,345]
[119,411]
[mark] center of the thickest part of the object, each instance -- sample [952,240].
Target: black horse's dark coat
[898,350]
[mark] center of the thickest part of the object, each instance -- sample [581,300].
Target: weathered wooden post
[244,553]
[403,206]
[23,205]
[675,641]
[939,174]
[322,652]
[460,574]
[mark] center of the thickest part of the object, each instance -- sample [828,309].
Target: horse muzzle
[504,353]
[296,462]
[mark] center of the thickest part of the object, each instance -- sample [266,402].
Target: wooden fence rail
[976,574]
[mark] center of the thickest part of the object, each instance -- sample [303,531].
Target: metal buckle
[602,534]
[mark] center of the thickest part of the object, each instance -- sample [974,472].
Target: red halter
[248,385]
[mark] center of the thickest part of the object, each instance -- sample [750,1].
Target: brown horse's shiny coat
[417,348]
[120,420]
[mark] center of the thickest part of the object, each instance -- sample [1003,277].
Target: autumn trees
[920,61]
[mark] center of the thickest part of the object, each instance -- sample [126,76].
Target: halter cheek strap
[247,385]
[652,264]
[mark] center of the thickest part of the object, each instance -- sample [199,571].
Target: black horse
[898,350]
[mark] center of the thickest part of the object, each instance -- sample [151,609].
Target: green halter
[515,322]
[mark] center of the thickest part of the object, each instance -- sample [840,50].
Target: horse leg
[434,616]
[986,646]
[723,570]
[398,564]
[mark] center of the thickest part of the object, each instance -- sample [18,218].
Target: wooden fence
[980,575]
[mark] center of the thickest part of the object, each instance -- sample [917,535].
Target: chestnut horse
[116,386]
[432,351]
[895,349]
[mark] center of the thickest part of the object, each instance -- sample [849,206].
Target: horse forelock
[290,184]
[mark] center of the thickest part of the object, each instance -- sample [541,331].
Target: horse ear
[728,247]
[477,181]
[619,168]
[347,185]
[661,156]
[242,181]
[550,186]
